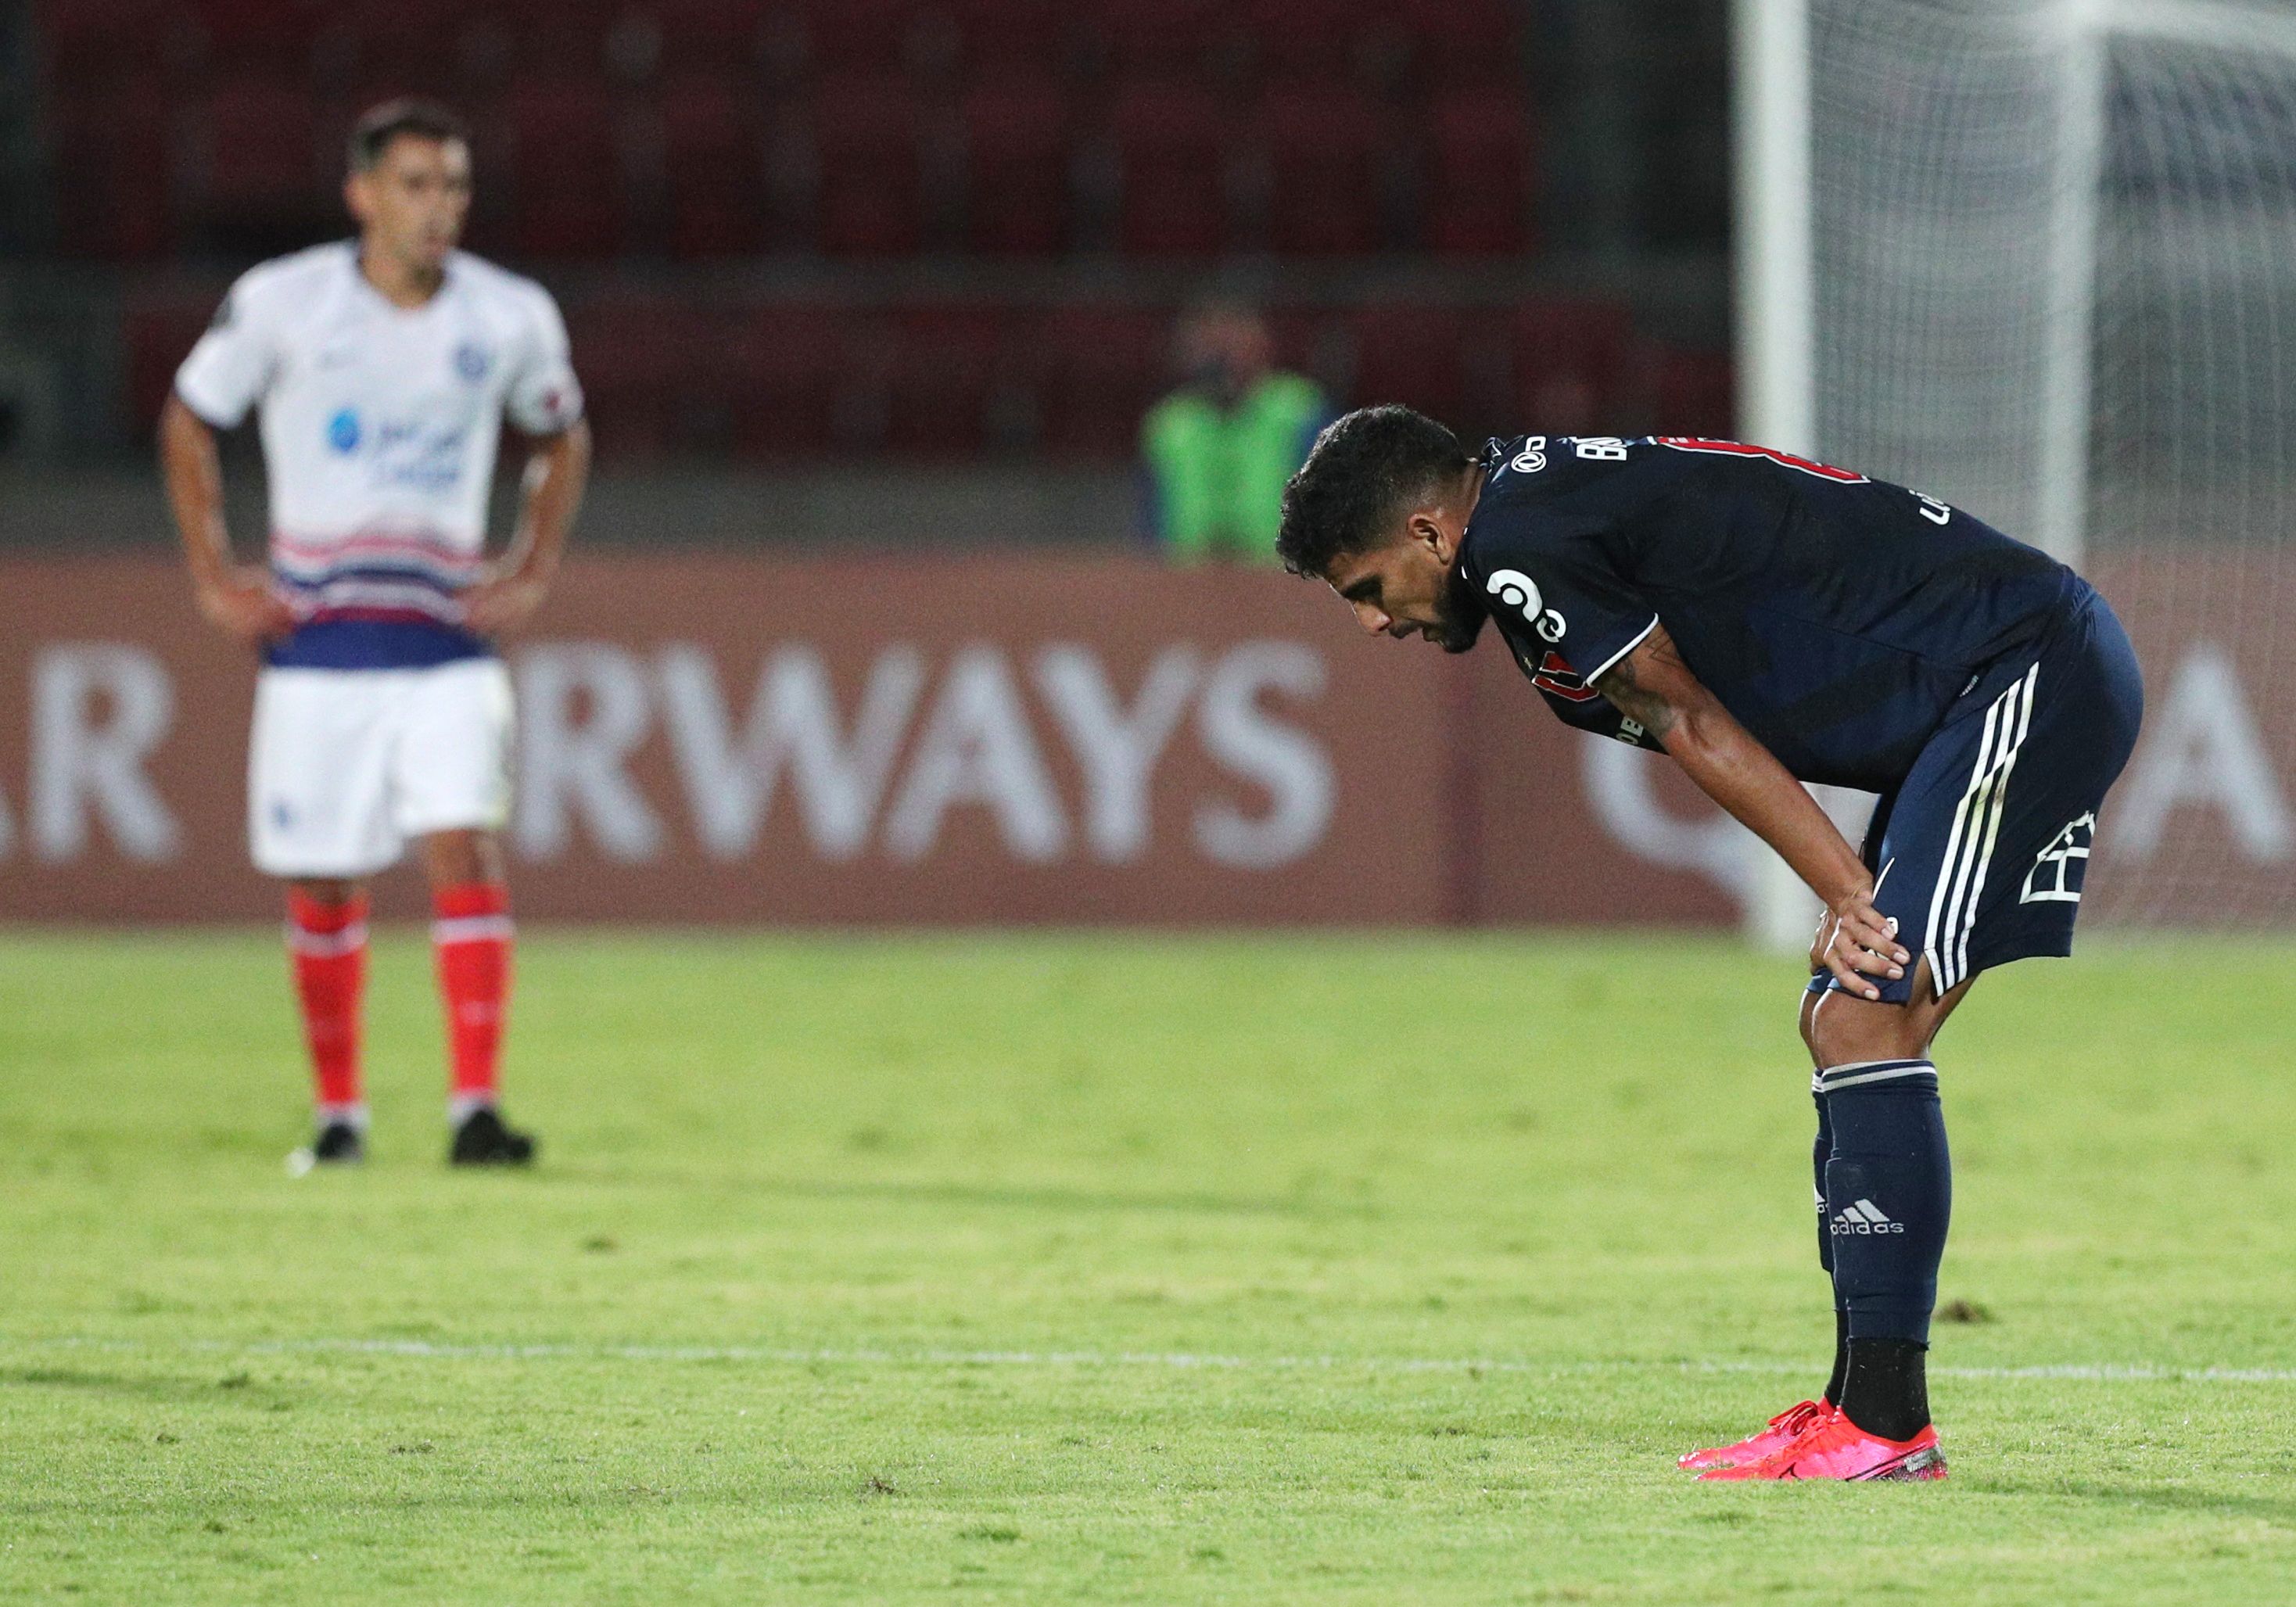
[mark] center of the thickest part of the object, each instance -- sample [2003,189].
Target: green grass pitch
[1252,1269]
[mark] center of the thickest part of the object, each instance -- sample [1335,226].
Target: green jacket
[1214,479]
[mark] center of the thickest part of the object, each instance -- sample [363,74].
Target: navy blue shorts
[1980,851]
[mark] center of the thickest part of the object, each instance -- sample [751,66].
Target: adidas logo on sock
[1863,1218]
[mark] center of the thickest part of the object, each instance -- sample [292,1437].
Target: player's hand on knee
[243,602]
[1856,943]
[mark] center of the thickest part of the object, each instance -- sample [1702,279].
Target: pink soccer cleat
[1838,1448]
[1781,1431]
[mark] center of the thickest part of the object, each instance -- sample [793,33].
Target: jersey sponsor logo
[1701,443]
[1600,449]
[1933,509]
[472,362]
[1532,457]
[343,431]
[1518,590]
[1555,675]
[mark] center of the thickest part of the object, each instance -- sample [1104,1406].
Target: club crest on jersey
[343,431]
[471,361]
[1518,590]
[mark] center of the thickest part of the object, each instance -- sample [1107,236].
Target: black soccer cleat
[339,1143]
[482,1139]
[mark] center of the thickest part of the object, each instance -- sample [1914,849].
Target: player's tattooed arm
[1639,684]
[1653,686]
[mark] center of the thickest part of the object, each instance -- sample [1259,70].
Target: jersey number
[1699,443]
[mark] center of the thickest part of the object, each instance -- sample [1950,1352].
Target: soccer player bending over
[1768,622]
[382,368]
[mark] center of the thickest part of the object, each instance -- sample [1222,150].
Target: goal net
[2052,255]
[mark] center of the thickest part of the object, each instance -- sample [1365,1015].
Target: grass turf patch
[1246,1268]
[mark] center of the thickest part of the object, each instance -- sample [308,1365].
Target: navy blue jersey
[1837,617]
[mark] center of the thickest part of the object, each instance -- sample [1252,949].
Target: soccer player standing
[382,368]
[1766,621]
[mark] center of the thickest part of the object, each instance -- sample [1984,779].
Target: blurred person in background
[382,368]
[1217,450]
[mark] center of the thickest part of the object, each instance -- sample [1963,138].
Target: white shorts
[345,764]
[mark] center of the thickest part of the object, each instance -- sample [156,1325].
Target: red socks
[327,943]
[471,935]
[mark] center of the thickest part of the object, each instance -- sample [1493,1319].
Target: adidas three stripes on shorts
[1981,851]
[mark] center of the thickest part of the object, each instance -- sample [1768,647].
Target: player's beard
[1459,614]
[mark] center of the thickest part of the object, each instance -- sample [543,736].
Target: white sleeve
[544,396]
[234,361]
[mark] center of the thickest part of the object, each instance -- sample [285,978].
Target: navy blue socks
[1887,1187]
[1820,1152]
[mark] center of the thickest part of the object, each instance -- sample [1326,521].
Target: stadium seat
[1321,153]
[565,157]
[1017,163]
[84,44]
[1013,35]
[1159,38]
[713,165]
[868,193]
[1098,371]
[157,332]
[1573,366]
[644,361]
[1475,197]
[1413,355]
[856,38]
[791,362]
[1171,160]
[263,186]
[723,35]
[242,36]
[1694,393]
[1456,42]
[950,387]
[1310,40]
[112,160]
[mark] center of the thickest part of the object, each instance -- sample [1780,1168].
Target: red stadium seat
[1171,140]
[87,43]
[719,33]
[112,157]
[243,35]
[1573,366]
[869,199]
[1695,393]
[159,334]
[950,371]
[1017,163]
[1476,198]
[1002,35]
[628,355]
[1159,38]
[1413,355]
[1459,41]
[857,37]
[1099,369]
[791,362]
[713,164]
[1322,153]
[265,186]
[566,167]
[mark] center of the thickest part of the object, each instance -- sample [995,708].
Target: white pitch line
[1176,1361]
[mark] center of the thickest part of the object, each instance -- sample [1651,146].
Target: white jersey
[379,425]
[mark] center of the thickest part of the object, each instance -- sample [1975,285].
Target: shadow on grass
[2163,1497]
[989,1197]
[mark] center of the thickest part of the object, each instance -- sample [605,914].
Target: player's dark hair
[1364,467]
[372,135]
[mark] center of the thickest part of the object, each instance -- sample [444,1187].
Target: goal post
[2038,257]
